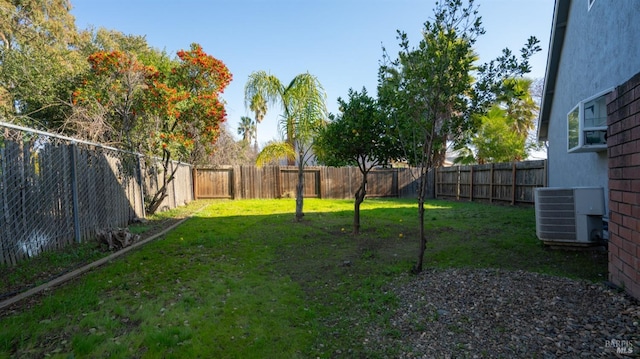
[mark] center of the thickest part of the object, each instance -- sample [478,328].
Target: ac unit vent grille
[558,217]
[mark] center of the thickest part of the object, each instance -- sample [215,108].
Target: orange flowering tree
[186,112]
[173,115]
[202,78]
[106,103]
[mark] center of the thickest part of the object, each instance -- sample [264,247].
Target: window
[587,125]
[574,126]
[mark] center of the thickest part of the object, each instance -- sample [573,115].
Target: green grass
[241,279]
[51,264]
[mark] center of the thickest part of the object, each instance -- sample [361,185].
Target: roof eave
[559,24]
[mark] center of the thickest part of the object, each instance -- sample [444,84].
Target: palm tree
[519,104]
[504,129]
[246,129]
[259,107]
[303,113]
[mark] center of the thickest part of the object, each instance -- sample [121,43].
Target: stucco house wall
[592,49]
[595,47]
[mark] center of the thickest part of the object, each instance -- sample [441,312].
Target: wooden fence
[245,182]
[56,190]
[496,182]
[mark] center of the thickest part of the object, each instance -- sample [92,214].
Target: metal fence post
[173,183]
[141,183]
[74,192]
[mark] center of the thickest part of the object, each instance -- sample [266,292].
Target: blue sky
[339,41]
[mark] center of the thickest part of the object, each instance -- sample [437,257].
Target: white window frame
[579,142]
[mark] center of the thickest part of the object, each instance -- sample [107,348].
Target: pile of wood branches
[116,239]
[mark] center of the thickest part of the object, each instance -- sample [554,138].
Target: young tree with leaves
[304,113]
[357,136]
[430,92]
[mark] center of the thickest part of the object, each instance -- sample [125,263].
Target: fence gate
[213,183]
[382,183]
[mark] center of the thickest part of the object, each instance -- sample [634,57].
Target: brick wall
[623,142]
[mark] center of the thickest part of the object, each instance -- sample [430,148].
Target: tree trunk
[423,239]
[360,194]
[300,190]
[290,140]
[422,190]
[157,199]
[167,177]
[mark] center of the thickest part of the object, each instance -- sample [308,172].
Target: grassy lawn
[49,265]
[241,280]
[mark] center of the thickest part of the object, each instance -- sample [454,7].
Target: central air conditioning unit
[571,216]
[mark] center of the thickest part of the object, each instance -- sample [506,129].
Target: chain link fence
[56,190]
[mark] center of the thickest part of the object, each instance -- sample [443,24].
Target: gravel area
[477,313]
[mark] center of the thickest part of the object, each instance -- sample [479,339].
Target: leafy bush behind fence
[56,190]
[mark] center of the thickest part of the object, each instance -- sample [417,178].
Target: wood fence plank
[505,182]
